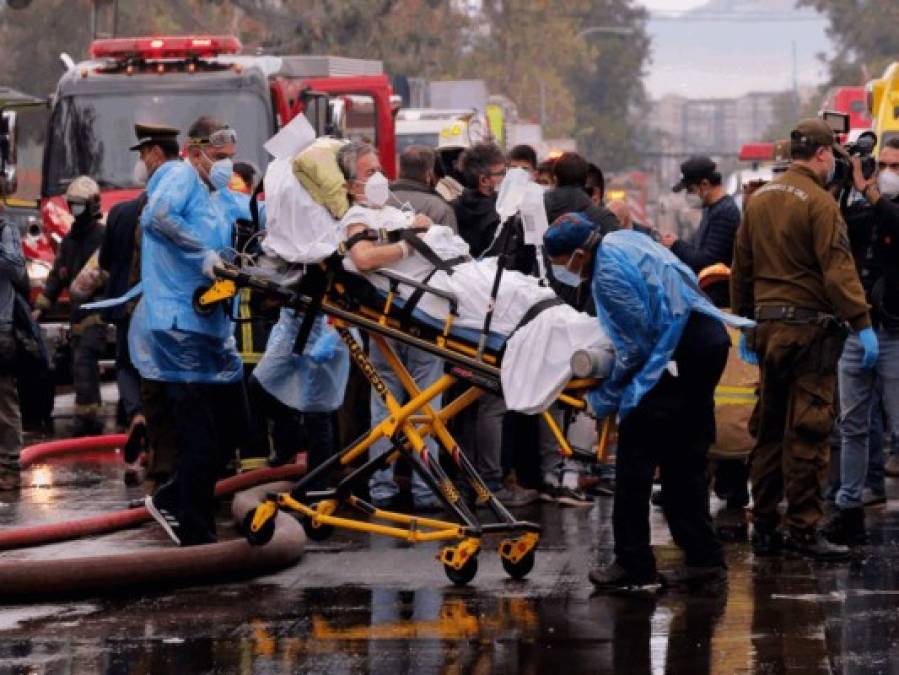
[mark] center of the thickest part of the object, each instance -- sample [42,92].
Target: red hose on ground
[118,520]
[166,567]
[67,446]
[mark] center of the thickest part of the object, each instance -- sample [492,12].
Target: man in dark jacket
[481,426]
[88,328]
[116,257]
[570,196]
[714,240]
[873,228]
[484,167]
[415,186]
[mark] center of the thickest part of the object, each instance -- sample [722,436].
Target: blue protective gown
[314,381]
[168,340]
[644,295]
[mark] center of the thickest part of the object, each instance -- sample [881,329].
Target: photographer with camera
[873,224]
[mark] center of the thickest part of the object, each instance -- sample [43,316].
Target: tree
[610,96]
[864,33]
[411,37]
[524,50]
[585,84]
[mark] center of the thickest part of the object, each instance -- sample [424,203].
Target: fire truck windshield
[403,141]
[91,133]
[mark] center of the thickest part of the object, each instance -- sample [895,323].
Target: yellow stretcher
[352,302]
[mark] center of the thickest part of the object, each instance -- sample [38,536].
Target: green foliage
[586,84]
[865,35]
[590,83]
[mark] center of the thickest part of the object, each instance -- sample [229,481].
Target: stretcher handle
[242,279]
[450,297]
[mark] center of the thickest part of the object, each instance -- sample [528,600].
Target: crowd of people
[815,302]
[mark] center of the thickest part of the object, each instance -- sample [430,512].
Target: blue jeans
[425,370]
[874,480]
[858,389]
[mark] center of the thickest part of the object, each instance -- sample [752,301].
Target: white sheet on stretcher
[535,366]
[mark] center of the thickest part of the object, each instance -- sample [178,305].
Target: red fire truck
[174,80]
[851,101]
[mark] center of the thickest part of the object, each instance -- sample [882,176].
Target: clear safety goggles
[217,139]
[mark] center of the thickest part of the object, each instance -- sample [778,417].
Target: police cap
[815,132]
[150,134]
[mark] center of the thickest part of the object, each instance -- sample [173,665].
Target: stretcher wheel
[321,532]
[520,569]
[265,533]
[464,574]
[202,310]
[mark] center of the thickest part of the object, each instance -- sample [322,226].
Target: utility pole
[795,82]
[104,18]
[542,106]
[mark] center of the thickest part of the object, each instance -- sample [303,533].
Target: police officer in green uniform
[793,272]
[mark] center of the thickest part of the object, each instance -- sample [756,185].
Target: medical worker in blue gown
[193,356]
[671,346]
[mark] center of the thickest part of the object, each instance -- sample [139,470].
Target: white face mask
[220,173]
[694,200]
[377,190]
[565,276]
[139,174]
[888,183]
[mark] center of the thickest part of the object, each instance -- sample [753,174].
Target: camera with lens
[863,148]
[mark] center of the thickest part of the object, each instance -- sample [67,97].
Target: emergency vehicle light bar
[171,47]
[757,152]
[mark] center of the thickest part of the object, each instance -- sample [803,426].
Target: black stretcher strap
[408,235]
[254,205]
[382,235]
[316,286]
[409,306]
[534,310]
[411,237]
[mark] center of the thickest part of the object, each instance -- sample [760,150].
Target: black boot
[614,576]
[694,576]
[814,545]
[766,540]
[846,527]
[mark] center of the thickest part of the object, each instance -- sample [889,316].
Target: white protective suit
[299,230]
[536,364]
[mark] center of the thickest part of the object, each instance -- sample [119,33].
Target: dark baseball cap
[816,132]
[694,170]
[150,134]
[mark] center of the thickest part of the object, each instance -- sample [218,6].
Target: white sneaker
[165,518]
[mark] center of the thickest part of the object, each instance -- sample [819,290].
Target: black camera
[862,148]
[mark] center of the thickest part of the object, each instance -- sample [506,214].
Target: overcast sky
[716,59]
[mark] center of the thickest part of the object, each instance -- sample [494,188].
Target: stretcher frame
[406,427]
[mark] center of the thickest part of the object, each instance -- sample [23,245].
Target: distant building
[716,127]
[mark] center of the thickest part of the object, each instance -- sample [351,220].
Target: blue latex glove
[325,347]
[868,339]
[747,354]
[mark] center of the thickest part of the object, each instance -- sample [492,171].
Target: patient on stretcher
[535,366]
[536,362]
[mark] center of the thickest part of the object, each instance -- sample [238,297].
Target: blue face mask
[565,276]
[220,173]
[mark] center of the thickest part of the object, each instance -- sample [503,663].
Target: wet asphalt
[359,603]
